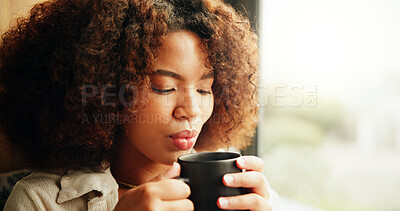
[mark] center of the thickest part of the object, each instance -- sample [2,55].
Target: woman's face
[180,101]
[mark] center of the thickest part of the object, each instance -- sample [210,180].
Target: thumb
[173,172]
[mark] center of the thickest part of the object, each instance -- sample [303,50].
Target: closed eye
[162,91]
[203,92]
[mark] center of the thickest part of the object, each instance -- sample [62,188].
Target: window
[330,89]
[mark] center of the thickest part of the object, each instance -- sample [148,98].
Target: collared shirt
[77,190]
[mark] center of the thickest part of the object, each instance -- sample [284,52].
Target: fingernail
[241,161]
[228,179]
[223,202]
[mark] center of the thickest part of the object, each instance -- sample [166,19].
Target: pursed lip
[185,134]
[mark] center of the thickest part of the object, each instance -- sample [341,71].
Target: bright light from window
[342,153]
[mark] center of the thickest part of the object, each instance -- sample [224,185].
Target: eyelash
[167,91]
[163,91]
[203,92]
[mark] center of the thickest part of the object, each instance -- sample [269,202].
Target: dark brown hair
[66,48]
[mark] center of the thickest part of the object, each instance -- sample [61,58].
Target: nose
[188,107]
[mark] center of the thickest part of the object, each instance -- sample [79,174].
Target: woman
[102,96]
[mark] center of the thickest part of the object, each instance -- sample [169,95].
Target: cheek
[207,108]
[161,108]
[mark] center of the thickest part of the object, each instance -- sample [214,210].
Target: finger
[250,201]
[250,163]
[167,189]
[183,204]
[250,179]
[174,171]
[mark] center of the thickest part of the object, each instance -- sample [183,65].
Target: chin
[167,160]
[174,157]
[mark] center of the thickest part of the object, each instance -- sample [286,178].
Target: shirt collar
[78,183]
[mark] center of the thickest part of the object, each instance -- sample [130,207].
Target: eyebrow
[207,75]
[171,74]
[167,73]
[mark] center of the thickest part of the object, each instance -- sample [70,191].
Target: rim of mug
[208,161]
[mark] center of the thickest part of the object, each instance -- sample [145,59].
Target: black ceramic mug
[203,172]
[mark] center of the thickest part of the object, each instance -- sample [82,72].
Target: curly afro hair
[48,59]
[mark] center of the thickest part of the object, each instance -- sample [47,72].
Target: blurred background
[329,130]
[330,88]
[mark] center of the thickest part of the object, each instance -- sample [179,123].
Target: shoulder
[31,191]
[40,178]
[40,183]
[73,191]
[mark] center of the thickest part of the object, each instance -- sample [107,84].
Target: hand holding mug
[203,172]
[161,193]
[252,178]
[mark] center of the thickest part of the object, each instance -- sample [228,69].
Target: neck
[133,167]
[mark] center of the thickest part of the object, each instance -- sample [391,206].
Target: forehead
[182,43]
[182,52]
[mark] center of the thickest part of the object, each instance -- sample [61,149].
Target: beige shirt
[77,190]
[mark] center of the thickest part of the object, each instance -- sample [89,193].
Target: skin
[252,178]
[180,99]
